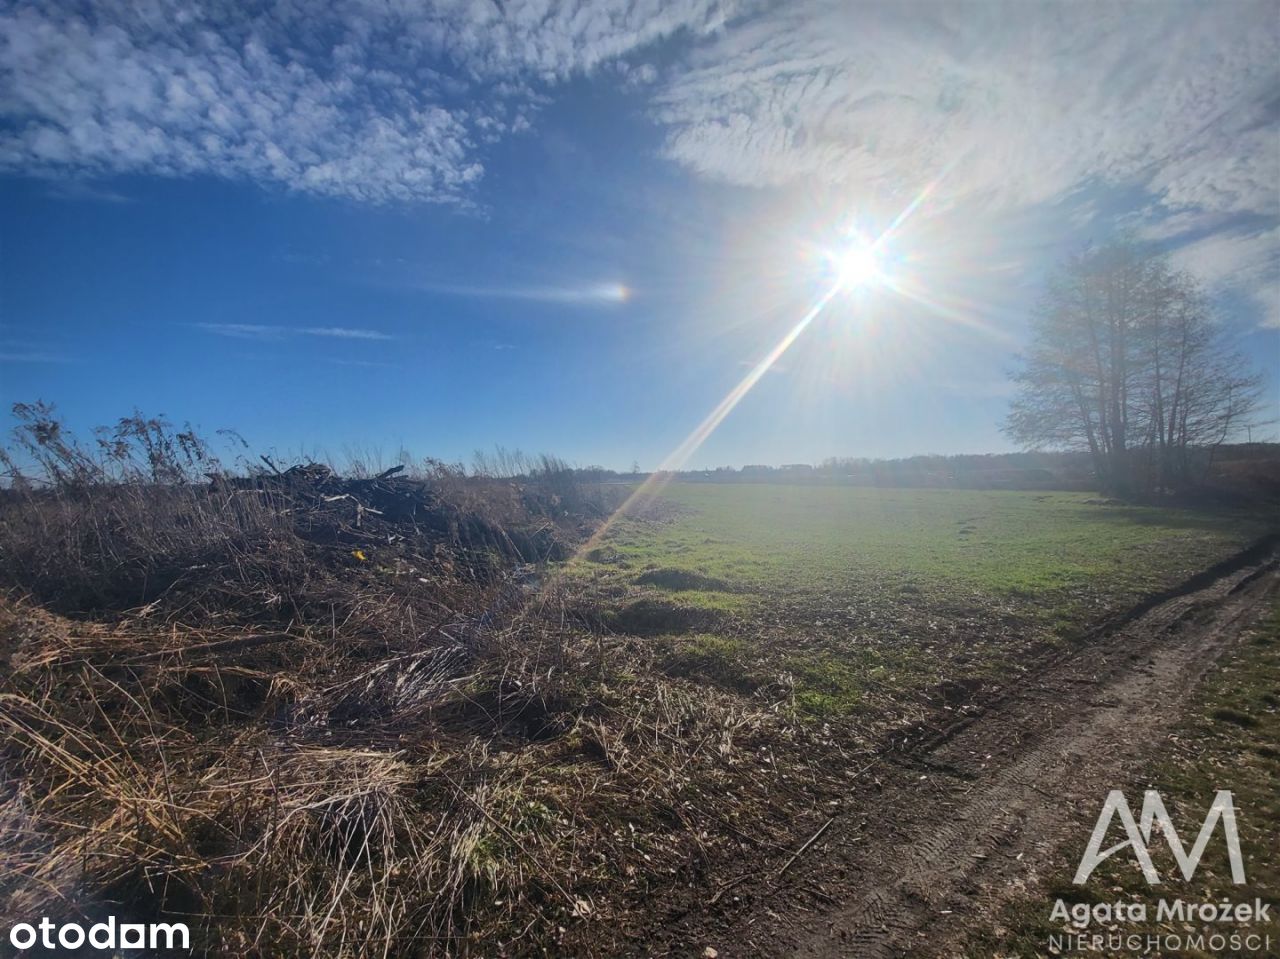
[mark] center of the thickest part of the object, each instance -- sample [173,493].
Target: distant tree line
[1129,365]
[1246,468]
[1028,470]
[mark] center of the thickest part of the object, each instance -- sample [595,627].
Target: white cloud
[1022,101]
[373,100]
[1245,261]
[586,294]
[396,100]
[256,331]
[244,331]
[80,190]
[385,100]
[345,333]
[365,364]
[1228,170]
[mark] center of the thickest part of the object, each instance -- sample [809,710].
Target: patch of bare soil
[941,830]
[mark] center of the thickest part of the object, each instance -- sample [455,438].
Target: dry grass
[519,797]
[307,729]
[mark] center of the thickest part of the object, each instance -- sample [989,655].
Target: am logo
[1138,834]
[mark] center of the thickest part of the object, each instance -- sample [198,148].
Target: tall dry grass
[143,509]
[112,523]
[522,800]
[300,751]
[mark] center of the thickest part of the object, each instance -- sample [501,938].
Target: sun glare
[857,266]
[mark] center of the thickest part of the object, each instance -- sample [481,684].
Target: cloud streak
[593,293]
[344,333]
[30,356]
[262,332]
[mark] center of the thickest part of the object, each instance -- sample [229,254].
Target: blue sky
[576,227]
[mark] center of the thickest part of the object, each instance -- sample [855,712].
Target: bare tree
[1128,363]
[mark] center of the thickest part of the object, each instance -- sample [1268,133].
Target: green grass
[719,659]
[811,538]
[1229,740]
[824,684]
[835,593]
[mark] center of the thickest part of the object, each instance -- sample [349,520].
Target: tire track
[1015,780]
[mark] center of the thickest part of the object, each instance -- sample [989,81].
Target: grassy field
[841,592]
[816,539]
[326,722]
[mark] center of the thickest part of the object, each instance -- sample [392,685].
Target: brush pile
[147,517]
[389,506]
[320,715]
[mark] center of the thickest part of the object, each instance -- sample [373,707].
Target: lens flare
[858,265]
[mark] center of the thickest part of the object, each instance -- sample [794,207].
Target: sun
[857,265]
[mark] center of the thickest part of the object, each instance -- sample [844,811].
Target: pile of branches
[327,507]
[146,516]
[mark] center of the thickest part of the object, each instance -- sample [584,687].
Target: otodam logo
[1139,835]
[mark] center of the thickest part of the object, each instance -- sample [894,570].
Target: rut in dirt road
[975,819]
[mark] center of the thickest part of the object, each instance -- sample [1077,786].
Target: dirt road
[962,823]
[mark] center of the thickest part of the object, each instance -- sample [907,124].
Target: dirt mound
[682,580]
[654,617]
